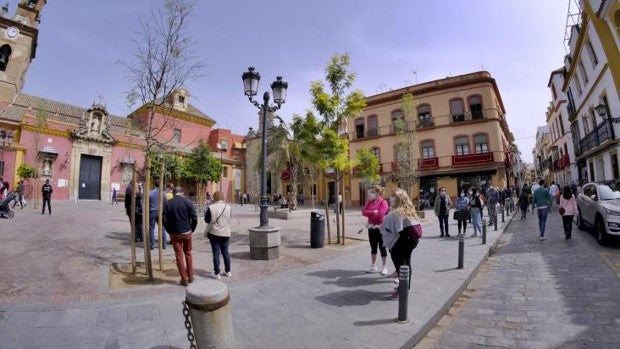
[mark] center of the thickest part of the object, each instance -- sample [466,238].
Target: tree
[405,126]
[163,62]
[335,106]
[368,166]
[201,167]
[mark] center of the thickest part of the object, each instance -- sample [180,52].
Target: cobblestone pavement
[530,294]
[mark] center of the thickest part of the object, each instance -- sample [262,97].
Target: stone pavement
[531,294]
[54,286]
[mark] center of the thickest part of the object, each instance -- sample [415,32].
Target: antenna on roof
[415,74]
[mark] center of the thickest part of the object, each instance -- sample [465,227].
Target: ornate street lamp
[264,243]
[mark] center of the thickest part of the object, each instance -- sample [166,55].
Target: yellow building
[458,136]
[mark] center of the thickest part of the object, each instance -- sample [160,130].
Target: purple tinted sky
[518,42]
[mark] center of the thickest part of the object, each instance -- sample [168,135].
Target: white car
[599,208]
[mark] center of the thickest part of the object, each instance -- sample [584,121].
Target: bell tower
[18,44]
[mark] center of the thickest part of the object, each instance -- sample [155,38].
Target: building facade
[86,152]
[459,136]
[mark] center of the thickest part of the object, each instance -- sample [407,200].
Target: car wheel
[599,229]
[580,223]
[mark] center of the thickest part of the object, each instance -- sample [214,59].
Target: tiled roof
[190,110]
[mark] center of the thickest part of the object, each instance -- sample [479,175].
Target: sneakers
[228,273]
[542,238]
[372,269]
[384,271]
[215,276]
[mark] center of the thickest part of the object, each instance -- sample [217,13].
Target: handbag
[416,232]
[561,210]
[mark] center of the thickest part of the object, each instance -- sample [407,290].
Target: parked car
[599,208]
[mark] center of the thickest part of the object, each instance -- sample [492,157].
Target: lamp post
[6,139]
[222,146]
[265,247]
[602,110]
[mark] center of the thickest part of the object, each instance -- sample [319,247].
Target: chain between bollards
[403,293]
[461,250]
[484,231]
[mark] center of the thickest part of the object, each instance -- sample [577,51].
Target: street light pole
[264,239]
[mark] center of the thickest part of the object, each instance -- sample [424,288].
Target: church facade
[86,151]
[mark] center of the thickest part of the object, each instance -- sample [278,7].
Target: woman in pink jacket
[375,210]
[569,204]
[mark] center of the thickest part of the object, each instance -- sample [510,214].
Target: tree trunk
[132,221]
[293,202]
[343,210]
[337,210]
[329,230]
[146,219]
[160,211]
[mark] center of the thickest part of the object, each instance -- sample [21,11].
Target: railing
[594,138]
[425,123]
[472,159]
[429,163]
[476,115]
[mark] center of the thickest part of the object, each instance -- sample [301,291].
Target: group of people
[545,199]
[20,188]
[391,230]
[180,220]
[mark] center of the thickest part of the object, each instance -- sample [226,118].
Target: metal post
[264,219]
[403,293]
[503,208]
[494,218]
[484,231]
[208,305]
[461,250]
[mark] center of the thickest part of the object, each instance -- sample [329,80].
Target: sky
[392,44]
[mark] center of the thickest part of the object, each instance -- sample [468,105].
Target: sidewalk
[332,303]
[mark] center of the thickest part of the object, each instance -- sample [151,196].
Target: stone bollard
[484,232]
[461,251]
[209,307]
[403,293]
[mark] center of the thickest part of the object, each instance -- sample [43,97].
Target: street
[530,294]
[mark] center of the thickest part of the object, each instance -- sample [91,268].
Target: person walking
[554,191]
[153,215]
[218,232]
[114,196]
[461,212]
[20,194]
[397,231]
[542,200]
[442,206]
[46,191]
[493,199]
[375,210]
[533,188]
[475,211]
[524,203]
[180,220]
[568,209]
[137,221]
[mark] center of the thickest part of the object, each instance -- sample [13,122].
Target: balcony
[474,115]
[472,159]
[594,138]
[425,123]
[428,164]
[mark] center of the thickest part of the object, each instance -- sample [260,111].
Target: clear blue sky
[518,42]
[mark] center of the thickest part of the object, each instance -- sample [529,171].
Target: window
[456,110]
[428,150]
[182,99]
[591,54]
[578,84]
[176,135]
[5,53]
[586,124]
[224,171]
[424,115]
[560,117]
[475,107]
[582,70]
[571,101]
[481,143]
[398,121]
[462,145]
[376,151]
[359,128]
[373,126]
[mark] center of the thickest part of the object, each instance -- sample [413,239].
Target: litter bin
[317,230]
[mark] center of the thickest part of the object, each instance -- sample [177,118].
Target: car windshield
[606,193]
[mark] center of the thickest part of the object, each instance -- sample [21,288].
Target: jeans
[542,220]
[443,224]
[49,205]
[152,221]
[219,244]
[492,213]
[475,220]
[182,245]
[19,199]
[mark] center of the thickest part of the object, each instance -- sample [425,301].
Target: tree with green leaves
[336,102]
[405,125]
[201,167]
[368,166]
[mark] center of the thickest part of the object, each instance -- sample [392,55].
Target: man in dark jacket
[46,191]
[138,210]
[180,221]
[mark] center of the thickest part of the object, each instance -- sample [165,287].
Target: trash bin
[317,230]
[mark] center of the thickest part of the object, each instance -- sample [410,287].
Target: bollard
[403,293]
[494,218]
[484,232]
[209,307]
[503,207]
[461,250]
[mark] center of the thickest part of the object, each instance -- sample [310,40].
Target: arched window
[425,118]
[428,149]
[475,107]
[399,123]
[462,145]
[456,110]
[373,126]
[481,143]
[359,128]
[5,54]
